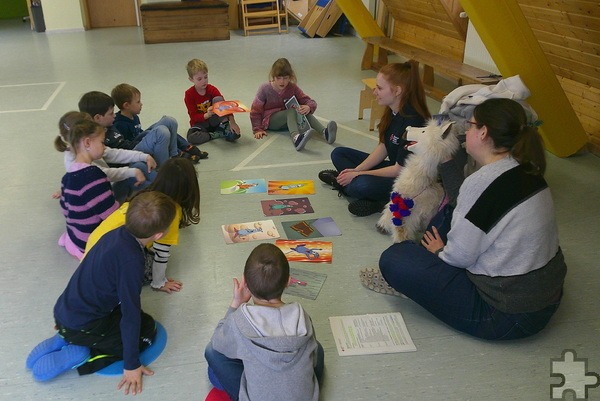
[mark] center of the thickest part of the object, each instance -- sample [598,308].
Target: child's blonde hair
[83,129]
[65,124]
[123,93]
[195,66]
[282,68]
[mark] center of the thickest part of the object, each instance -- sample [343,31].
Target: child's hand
[56,195]
[139,177]
[209,113]
[241,293]
[171,285]
[151,163]
[259,134]
[132,379]
[303,109]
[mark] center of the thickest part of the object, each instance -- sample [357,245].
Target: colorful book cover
[306,251]
[252,231]
[226,107]
[305,284]
[315,228]
[292,187]
[280,207]
[254,186]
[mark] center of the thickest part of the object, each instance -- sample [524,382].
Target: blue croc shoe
[52,344]
[53,364]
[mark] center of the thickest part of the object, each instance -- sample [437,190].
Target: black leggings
[104,339]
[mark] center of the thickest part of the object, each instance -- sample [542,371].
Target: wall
[13,9]
[62,15]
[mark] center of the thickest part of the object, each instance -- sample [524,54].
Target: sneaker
[371,278]
[217,133]
[329,177]
[363,207]
[53,364]
[52,344]
[193,150]
[330,131]
[301,139]
[189,156]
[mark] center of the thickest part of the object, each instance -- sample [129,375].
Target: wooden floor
[43,76]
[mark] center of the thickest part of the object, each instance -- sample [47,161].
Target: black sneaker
[230,135]
[301,139]
[330,131]
[329,177]
[363,207]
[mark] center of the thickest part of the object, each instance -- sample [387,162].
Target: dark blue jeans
[229,371]
[363,186]
[449,295]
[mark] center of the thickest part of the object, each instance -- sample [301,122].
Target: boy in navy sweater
[99,316]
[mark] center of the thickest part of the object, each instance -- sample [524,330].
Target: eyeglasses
[466,125]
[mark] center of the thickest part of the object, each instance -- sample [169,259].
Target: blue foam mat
[147,356]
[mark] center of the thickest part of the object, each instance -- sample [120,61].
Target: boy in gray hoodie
[265,350]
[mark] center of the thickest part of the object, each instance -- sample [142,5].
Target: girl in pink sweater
[274,108]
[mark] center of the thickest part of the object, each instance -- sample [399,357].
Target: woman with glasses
[500,273]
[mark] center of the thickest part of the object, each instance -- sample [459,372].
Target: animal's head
[422,139]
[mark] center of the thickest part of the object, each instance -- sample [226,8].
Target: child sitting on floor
[98,316]
[199,100]
[177,178]
[124,180]
[269,112]
[127,121]
[266,350]
[86,196]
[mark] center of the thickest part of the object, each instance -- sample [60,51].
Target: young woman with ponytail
[500,274]
[368,178]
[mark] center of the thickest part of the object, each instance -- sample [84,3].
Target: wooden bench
[367,101]
[462,73]
[185,21]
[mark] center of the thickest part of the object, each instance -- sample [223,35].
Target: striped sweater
[86,199]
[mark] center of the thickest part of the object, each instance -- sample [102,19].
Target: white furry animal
[418,181]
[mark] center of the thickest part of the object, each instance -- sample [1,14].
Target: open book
[226,107]
[303,125]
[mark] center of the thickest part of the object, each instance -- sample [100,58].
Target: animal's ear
[447,127]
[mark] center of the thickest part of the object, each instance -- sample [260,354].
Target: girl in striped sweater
[86,196]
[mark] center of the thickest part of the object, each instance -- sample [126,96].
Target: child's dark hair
[267,272]
[178,179]
[124,93]
[83,129]
[65,124]
[149,213]
[95,103]
[405,75]
[506,124]
[282,68]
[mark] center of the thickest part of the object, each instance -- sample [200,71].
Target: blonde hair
[124,93]
[65,124]
[83,129]
[195,66]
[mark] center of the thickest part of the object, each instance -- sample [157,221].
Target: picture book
[303,124]
[252,231]
[243,186]
[315,228]
[381,333]
[226,107]
[306,251]
[292,187]
[305,284]
[280,207]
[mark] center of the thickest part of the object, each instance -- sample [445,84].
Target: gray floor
[43,76]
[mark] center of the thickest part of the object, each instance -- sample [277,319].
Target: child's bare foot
[171,285]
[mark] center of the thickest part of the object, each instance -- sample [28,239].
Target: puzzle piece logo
[574,377]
